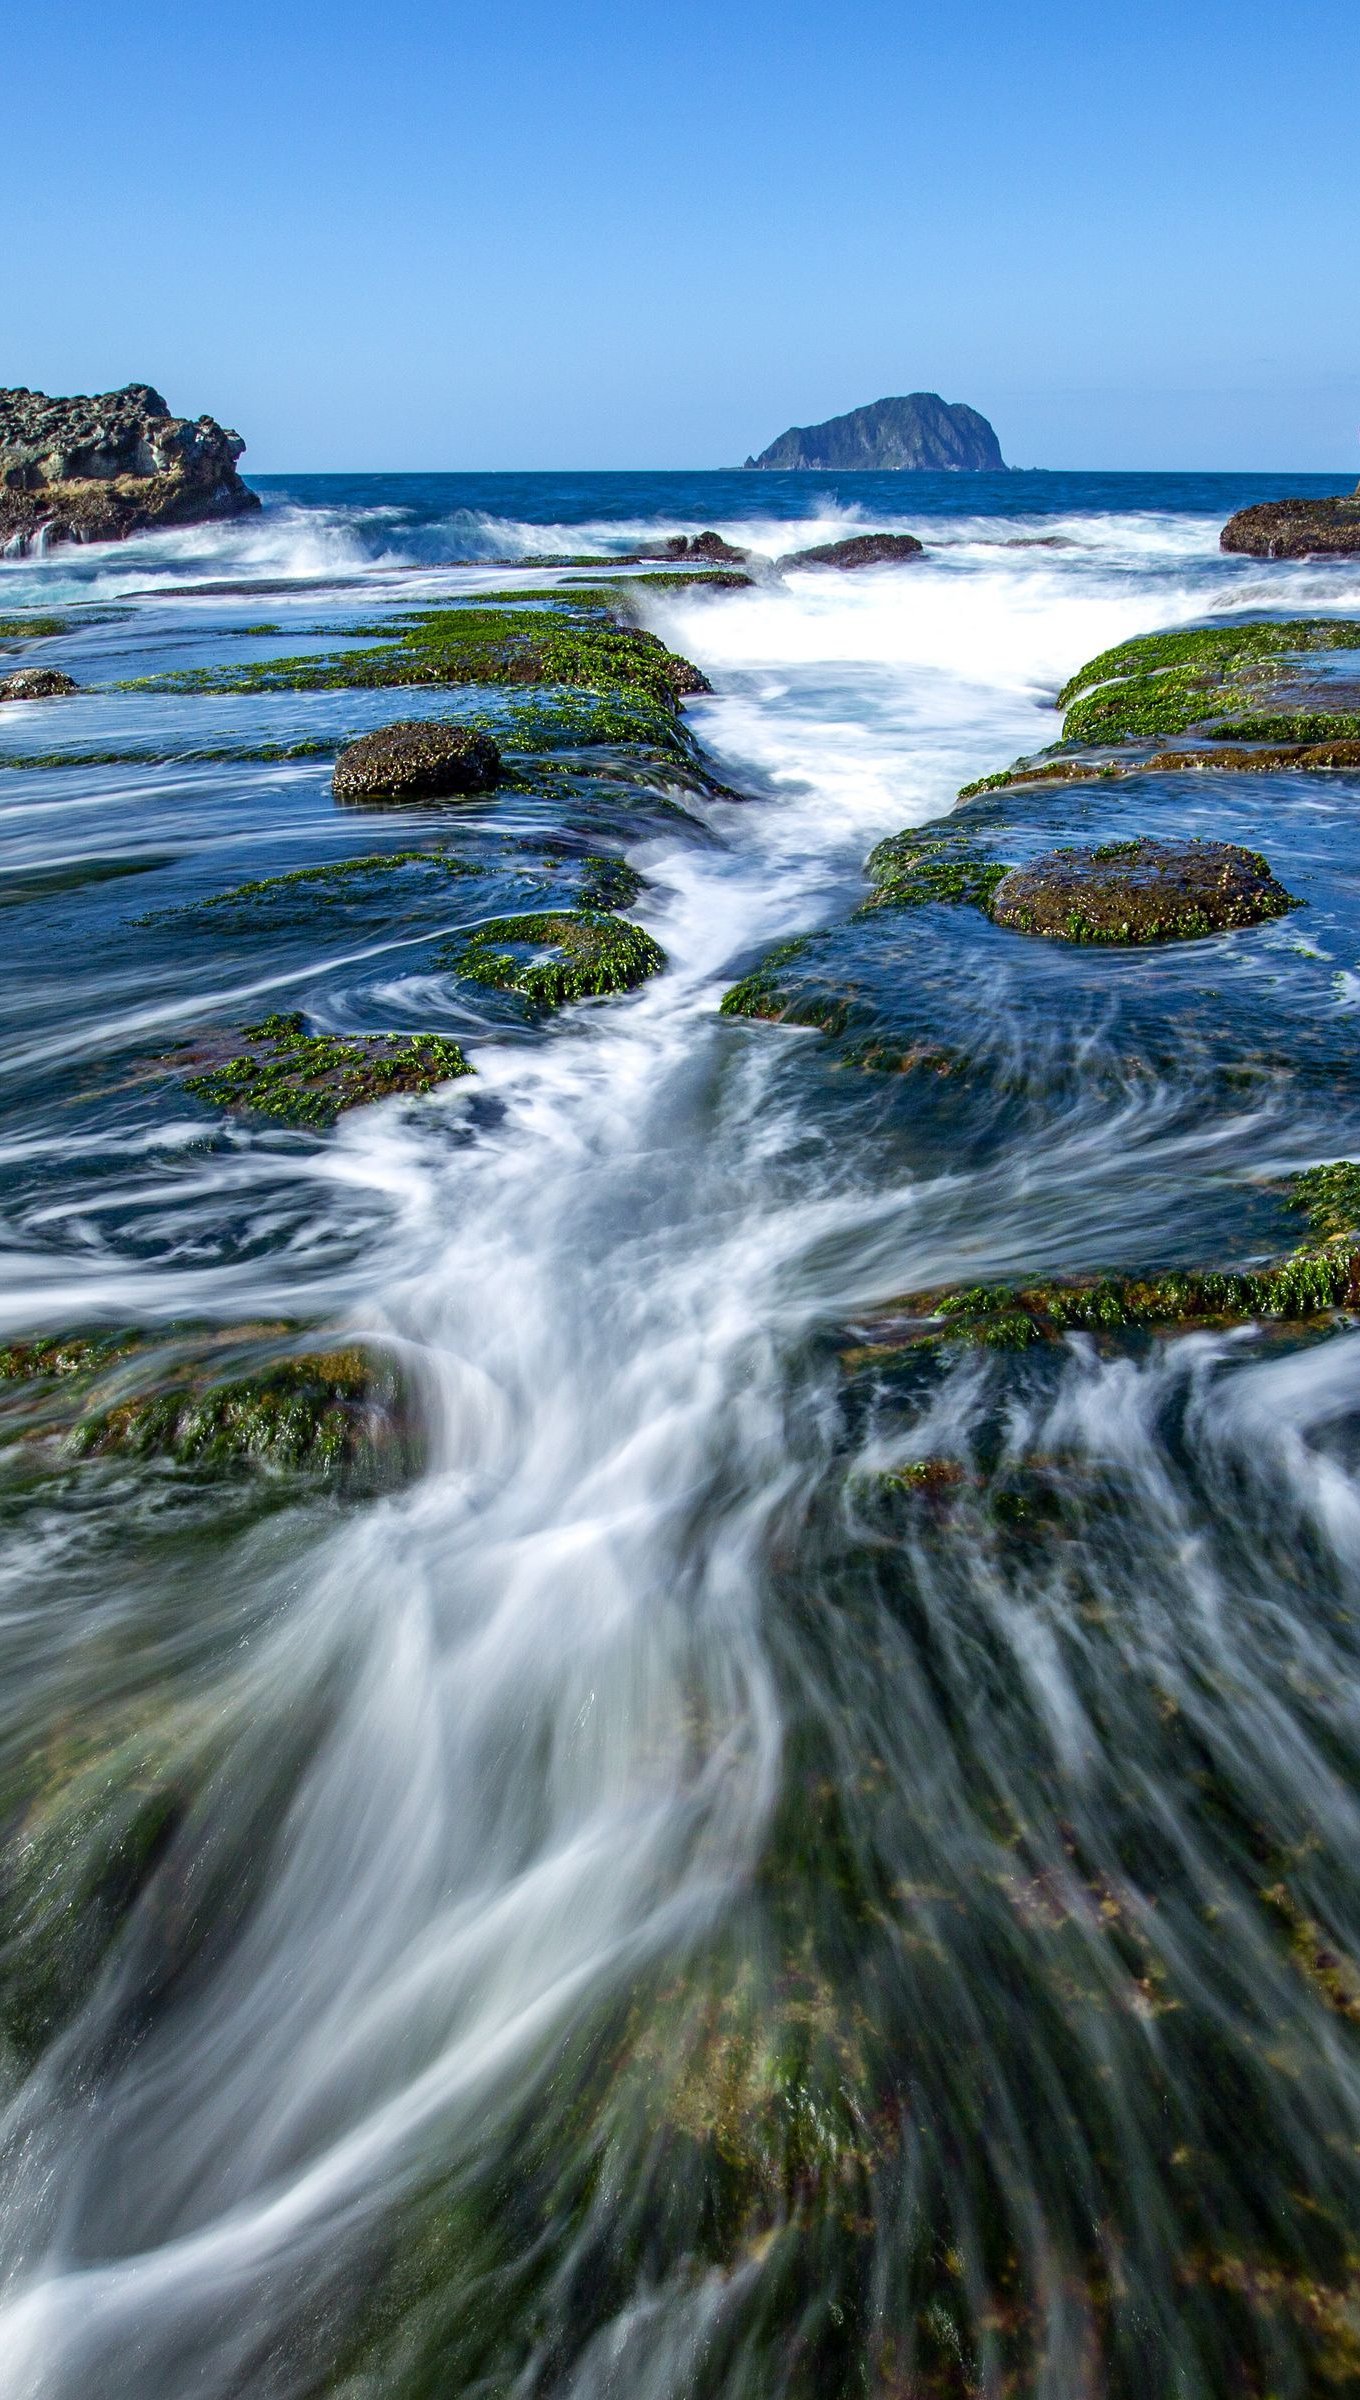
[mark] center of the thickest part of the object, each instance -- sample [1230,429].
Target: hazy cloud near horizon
[588,236]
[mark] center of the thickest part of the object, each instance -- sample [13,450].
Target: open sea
[756,1868]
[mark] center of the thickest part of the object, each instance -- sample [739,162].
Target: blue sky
[538,233]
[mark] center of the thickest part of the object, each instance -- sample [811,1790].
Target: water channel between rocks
[741,1853]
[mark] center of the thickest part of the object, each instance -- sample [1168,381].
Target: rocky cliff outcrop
[95,469]
[914,434]
[1296,528]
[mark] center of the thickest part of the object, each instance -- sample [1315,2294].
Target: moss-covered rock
[317,1413]
[1311,1284]
[911,870]
[246,1395]
[557,955]
[1273,756]
[32,629]
[310,1079]
[610,883]
[1330,1198]
[1139,891]
[416,761]
[36,683]
[1169,683]
[1296,528]
[472,644]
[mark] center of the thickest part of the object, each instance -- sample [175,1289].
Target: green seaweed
[761,993]
[32,629]
[336,876]
[1330,1198]
[1212,649]
[916,870]
[610,883]
[306,1414]
[310,1079]
[589,953]
[470,644]
[1309,1284]
[1167,683]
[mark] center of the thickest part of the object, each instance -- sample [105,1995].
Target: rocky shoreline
[97,469]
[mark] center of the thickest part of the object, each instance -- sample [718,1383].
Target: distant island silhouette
[911,435]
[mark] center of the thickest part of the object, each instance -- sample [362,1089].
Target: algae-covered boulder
[555,956]
[412,761]
[36,683]
[1139,891]
[1296,528]
[861,550]
[277,1069]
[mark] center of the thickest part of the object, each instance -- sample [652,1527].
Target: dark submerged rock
[1140,891]
[412,761]
[1296,528]
[36,683]
[915,433]
[96,469]
[861,550]
[706,548]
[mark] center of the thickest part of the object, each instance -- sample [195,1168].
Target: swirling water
[628,1915]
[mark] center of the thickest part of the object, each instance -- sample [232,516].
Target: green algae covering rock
[1139,891]
[311,1079]
[240,1396]
[317,1413]
[411,761]
[36,683]
[558,955]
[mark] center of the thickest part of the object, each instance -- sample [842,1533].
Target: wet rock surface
[861,550]
[36,683]
[1137,891]
[412,761]
[1296,528]
[96,468]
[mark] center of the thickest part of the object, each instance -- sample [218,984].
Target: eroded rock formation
[95,469]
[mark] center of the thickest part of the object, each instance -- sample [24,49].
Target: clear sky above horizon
[570,233]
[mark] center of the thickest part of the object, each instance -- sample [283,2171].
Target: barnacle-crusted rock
[1139,891]
[95,469]
[412,761]
[36,683]
[861,550]
[1296,528]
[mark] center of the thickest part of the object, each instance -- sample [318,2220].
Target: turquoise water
[651,1906]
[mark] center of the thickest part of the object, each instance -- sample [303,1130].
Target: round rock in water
[1140,891]
[412,762]
[862,550]
[36,683]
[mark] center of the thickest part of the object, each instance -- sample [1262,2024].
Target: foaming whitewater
[482,1780]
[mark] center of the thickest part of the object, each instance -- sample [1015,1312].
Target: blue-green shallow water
[648,1907]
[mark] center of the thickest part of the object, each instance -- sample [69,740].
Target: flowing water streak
[540,1697]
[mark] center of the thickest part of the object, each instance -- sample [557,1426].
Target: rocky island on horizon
[915,434]
[98,467]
